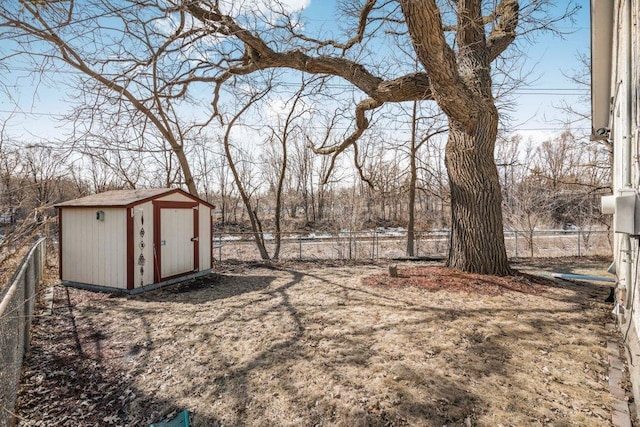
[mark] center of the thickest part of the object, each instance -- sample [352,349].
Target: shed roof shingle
[117,198]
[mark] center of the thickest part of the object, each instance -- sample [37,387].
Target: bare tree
[322,175]
[556,183]
[511,160]
[227,193]
[155,52]
[246,185]
[43,168]
[123,54]
[280,135]
[12,183]
[424,127]
[574,173]
[434,194]
[456,75]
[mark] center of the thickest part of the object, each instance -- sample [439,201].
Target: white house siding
[94,252]
[633,97]
[619,126]
[624,124]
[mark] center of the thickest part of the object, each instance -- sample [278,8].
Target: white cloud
[264,7]
[278,109]
[296,5]
[536,136]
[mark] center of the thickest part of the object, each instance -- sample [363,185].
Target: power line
[33,113]
[523,91]
[396,128]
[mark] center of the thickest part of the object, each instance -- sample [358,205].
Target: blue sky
[550,58]
[536,115]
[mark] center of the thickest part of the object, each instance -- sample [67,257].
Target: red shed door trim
[60,243]
[189,242]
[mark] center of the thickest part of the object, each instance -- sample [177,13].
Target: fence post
[578,234]
[28,299]
[355,246]
[300,247]
[515,234]
[373,245]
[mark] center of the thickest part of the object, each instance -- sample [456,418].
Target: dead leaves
[442,278]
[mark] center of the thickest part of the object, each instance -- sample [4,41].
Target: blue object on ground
[180,420]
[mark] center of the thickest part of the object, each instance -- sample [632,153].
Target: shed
[131,240]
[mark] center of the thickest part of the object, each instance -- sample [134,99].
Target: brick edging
[620,415]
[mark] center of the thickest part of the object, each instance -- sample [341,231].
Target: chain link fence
[389,244]
[17,303]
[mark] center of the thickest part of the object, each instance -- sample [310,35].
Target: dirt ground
[327,345]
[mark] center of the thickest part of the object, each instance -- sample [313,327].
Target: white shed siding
[175,197]
[204,228]
[95,252]
[143,245]
[176,225]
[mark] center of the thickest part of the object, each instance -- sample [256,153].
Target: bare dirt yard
[327,345]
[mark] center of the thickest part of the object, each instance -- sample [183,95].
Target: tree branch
[259,56]
[427,34]
[362,25]
[362,123]
[504,33]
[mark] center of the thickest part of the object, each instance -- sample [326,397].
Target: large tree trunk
[477,238]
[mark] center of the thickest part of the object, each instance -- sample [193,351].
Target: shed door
[177,239]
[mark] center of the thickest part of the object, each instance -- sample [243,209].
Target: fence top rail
[8,292]
[249,235]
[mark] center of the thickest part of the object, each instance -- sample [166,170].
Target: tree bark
[477,238]
[461,85]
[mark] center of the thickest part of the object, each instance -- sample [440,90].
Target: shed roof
[122,198]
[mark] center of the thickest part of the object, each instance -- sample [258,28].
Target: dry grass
[9,263]
[307,344]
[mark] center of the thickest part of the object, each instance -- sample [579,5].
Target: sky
[536,115]
[551,59]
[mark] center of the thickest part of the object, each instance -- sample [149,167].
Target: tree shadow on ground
[286,364]
[70,378]
[206,288]
[336,354]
